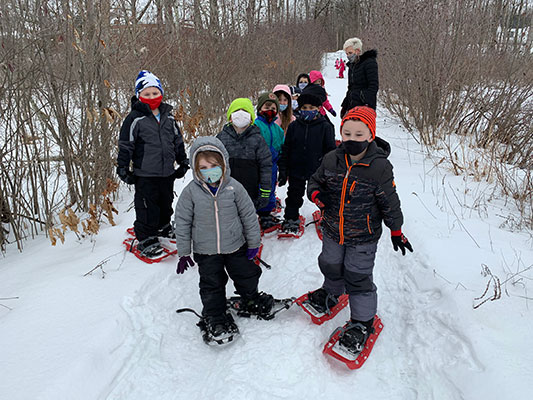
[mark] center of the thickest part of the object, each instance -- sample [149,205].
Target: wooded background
[68,70]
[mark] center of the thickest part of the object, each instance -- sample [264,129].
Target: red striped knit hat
[364,114]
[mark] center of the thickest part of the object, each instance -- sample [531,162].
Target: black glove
[126,175]
[262,202]
[399,241]
[333,112]
[282,178]
[182,169]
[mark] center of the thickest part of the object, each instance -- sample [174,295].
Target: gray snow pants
[348,269]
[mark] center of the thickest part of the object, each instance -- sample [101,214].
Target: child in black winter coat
[151,141]
[354,187]
[308,139]
[250,159]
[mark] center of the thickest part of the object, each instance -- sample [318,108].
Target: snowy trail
[282,358]
[74,337]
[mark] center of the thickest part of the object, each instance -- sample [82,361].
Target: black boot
[355,335]
[150,247]
[259,304]
[218,329]
[321,300]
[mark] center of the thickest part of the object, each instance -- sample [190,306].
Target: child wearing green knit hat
[250,159]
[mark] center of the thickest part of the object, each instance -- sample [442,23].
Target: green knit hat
[241,104]
[267,96]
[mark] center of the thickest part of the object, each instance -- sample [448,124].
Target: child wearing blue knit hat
[150,148]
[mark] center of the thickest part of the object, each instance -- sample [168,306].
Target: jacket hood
[208,143]
[241,104]
[365,56]
[302,76]
[315,75]
[378,148]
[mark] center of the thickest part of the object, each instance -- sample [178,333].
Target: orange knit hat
[364,114]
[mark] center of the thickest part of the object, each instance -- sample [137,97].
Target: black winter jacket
[305,145]
[361,195]
[250,159]
[152,145]
[363,82]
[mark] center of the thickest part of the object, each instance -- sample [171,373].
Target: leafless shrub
[68,71]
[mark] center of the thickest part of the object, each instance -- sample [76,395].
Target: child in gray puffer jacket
[216,216]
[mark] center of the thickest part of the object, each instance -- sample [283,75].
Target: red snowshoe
[131,246]
[319,316]
[353,360]
[290,230]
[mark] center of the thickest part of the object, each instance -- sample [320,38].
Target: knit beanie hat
[364,114]
[312,94]
[241,104]
[147,79]
[267,96]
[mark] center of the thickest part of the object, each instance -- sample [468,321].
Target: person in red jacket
[342,67]
[354,187]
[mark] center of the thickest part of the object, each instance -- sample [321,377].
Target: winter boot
[321,300]
[150,248]
[218,329]
[355,335]
[259,304]
[290,226]
[268,222]
[167,232]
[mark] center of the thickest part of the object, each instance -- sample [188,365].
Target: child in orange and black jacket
[354,186]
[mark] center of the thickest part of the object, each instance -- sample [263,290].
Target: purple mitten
[184,263]
[251,253]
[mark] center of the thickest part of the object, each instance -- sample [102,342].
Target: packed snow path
[75,337]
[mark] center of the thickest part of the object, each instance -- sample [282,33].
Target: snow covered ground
[67,336]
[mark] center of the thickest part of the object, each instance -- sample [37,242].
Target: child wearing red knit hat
[354,187]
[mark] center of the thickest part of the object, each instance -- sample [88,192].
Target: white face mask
[241,119]
[294,104]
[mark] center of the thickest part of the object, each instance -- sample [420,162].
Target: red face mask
[153,103]
[269,115]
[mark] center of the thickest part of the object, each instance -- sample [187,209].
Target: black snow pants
[295,197]
[213,278]
[153,205]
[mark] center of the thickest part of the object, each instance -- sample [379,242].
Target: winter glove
[400,241]
[184,263]
[126,175]
[182,169]
[321,199]
[332,112]
[251,253]
[282,178]
[262,202]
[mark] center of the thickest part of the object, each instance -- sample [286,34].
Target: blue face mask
[282,107]
[294,104]
[302,85]
[212,175]
[308,115]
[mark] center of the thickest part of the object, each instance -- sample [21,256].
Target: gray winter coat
[216,224]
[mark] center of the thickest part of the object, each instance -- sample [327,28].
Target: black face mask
[354,148]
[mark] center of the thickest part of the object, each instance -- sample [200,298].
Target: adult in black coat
[363,81]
